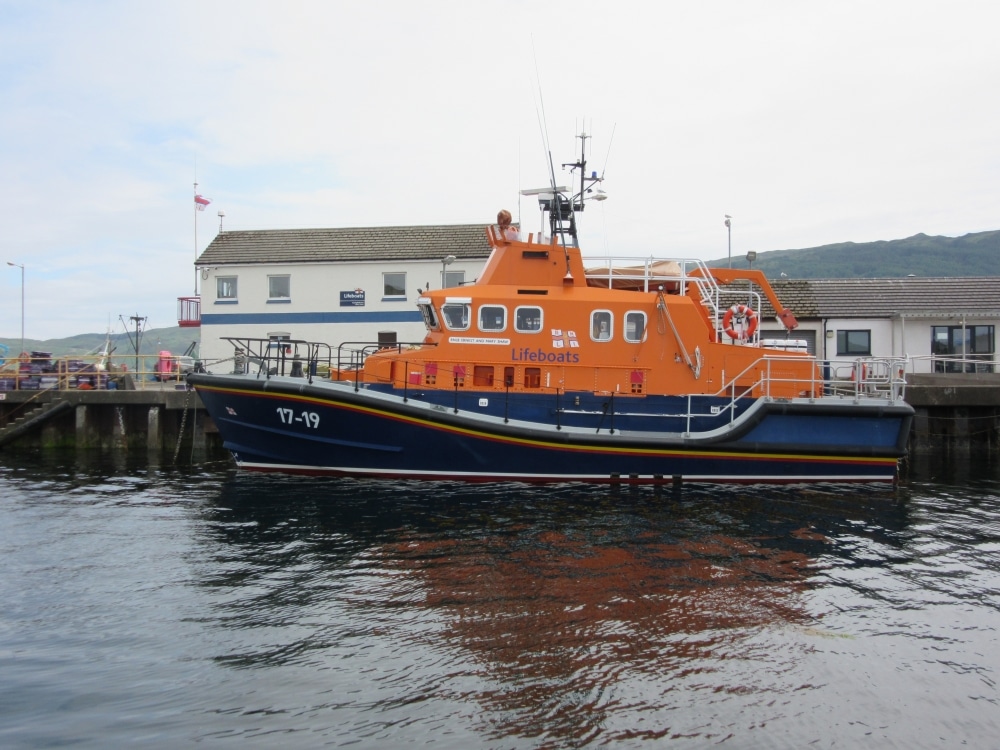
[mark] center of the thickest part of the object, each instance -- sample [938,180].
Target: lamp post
[729,232]
[445,261]
[21,266]
[751,257]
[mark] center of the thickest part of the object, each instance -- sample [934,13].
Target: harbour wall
[169,420]
[954,413]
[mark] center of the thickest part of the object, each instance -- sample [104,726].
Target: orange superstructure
[538,319]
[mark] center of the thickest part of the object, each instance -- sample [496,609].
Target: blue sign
[355,298]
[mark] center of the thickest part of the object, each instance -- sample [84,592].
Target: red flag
[200,202]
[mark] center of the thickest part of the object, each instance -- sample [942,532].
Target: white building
[329,285]
[933,322]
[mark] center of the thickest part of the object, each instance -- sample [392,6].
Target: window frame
[973,334]
[219,281]
[503,318]
[453,279]
[466,315]
[845,347]
[273,277]
[541,318]
[642,335]
[595,321]
[393,297]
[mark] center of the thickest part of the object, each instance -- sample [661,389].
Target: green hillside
[921,255]
[175,340]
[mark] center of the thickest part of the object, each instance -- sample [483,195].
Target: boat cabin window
[492,318]
[456,315]
[429,316]
[528,319]
[601,325]
[635,326]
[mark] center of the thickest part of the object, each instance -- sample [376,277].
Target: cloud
[809,123]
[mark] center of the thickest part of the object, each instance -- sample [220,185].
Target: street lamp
[729,231]
[751,257]
[445,261]
[21,266]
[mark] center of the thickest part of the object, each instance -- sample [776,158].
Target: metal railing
[42,372]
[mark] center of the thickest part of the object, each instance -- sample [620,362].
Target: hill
[920,255]
[175,339]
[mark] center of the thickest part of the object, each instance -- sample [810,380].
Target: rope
[180,432]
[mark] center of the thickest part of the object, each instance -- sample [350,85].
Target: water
[146,606]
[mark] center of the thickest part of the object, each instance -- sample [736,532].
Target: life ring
[746,322]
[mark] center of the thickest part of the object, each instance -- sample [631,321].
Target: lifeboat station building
[941,325]
[330,285]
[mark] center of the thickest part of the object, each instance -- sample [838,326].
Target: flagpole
[195,207]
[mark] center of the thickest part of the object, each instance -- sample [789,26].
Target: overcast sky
[808,122]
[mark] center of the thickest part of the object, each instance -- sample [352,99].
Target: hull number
[308,418]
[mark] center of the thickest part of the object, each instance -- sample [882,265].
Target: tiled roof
[346,245]
[883,298]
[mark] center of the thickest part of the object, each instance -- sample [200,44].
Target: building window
[492,318]
[600,325]
[453,278]
[225,287]
[528,319]
[854,343]
[394,286]
[635,326]
[279,287]
[961,346]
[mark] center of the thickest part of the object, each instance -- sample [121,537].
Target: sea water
[145,605]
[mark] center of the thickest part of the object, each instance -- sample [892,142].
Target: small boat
[555,368]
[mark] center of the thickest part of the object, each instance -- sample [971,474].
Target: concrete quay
[954,412]
[160,417]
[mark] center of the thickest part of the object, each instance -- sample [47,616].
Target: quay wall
[954,412]
[958,414]
[170,421]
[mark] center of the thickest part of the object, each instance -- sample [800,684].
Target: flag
[200,202]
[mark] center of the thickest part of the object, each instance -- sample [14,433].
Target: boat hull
[289,425]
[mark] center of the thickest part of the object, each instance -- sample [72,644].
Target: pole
[195,205]
[21,266]
[729,232]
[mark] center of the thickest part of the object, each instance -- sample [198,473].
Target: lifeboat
[554,368]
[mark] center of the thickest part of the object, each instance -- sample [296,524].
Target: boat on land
[552,368]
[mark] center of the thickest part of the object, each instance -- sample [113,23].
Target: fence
[41,371]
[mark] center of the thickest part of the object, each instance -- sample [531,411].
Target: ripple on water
[148,604]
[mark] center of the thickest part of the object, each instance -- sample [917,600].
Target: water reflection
[565,613]
[384,613]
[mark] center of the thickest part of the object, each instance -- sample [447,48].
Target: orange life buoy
[745,322]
